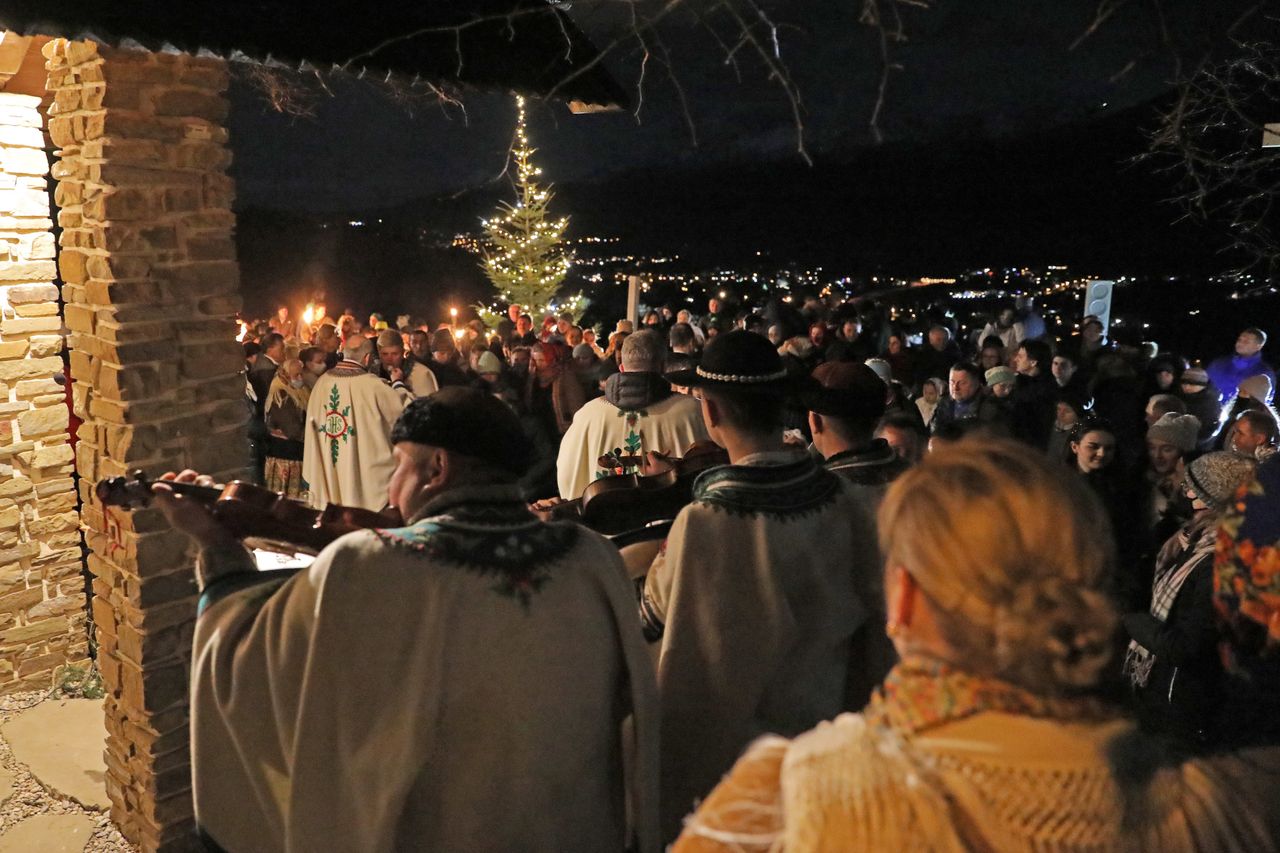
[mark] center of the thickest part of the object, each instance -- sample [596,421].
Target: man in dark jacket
[1201,397]
[444,360]
[967,402]
[1034,398]
[845,403]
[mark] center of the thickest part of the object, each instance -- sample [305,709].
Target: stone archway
[42,612]
[149,294]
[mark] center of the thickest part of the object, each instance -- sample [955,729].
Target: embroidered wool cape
[766,598]
[346,456]
[458,684]
[669,425]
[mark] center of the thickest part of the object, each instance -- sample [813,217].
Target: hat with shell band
[737,361]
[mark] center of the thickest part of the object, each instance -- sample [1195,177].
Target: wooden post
[633,300]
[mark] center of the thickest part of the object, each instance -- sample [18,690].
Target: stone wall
[150,285]
[42,603]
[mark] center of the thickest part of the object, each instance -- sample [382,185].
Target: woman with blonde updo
[986,736]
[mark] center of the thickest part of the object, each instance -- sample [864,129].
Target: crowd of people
[989,591]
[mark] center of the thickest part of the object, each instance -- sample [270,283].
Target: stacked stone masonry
[150,291]
[42,612]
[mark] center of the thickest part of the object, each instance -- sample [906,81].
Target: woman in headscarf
[1246,596]
[552,392]
[286,414]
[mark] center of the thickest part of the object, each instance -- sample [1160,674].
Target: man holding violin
[638,413]
[760,598]
[458,683]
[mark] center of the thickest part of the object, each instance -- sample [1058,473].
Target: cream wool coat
[767,596]
[407,693]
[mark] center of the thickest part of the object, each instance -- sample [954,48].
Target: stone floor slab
[48,833]
[62,741]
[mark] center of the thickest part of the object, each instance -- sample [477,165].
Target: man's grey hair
[358,348]
[644,351]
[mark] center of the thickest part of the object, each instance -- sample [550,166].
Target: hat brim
[690,378]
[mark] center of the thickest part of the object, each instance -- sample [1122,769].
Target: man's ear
[816,426]
[437,470]
[714,415]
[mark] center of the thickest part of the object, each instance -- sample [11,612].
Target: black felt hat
[736,361]
[845,389]
[466,421]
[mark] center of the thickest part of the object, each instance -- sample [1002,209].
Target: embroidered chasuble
[669,425]
[346,455]
[767,602]
[456,684]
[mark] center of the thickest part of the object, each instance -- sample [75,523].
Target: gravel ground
[31,798]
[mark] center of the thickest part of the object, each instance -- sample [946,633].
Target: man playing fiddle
[458,683]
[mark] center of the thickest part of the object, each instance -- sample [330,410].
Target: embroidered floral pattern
[1246,578]
[338,423]
[919,694]
[500,540]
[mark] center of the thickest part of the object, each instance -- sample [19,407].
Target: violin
[259,517]
[636,506]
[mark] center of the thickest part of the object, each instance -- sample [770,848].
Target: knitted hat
[1195,376]
[845,389]
[488,363]
[1257,387]
[1215,477]
[738,361]
[882,369]
[1179,430]
[1000,375]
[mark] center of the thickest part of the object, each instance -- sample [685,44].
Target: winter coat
[1182,692]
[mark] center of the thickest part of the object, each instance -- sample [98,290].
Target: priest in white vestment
[346,453]
[638,413]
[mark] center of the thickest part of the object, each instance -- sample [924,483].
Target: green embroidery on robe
[338,424]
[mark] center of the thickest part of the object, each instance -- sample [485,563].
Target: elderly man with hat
[765,597]
[458,683]
[845,402]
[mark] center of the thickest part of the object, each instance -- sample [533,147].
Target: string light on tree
[524,252]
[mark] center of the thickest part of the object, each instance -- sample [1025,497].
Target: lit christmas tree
[524,253]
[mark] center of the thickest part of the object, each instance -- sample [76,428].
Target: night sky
[971,68]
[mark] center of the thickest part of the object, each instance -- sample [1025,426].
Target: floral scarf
[921,693]
[1246,579]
